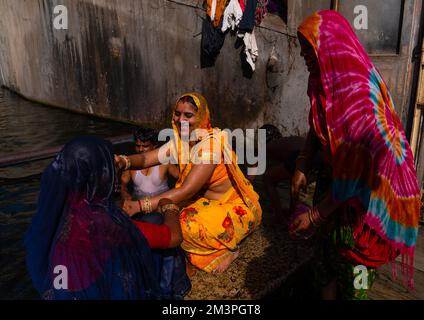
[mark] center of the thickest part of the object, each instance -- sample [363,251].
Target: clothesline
[203,9]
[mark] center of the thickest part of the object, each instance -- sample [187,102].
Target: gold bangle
[311,219]
[127,161]
[147,205]
[150,204]
[169,206]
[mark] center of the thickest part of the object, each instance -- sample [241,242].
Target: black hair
[189,99]
[146,134]
[272,132]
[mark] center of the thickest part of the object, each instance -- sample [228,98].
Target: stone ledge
[267,258]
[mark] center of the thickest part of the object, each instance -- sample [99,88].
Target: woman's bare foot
[226,262]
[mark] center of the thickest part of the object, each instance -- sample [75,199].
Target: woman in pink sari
[367,199]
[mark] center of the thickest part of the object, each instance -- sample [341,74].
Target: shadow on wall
[122,60]
[101,70]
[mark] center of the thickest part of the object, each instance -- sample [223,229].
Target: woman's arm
[144,160]
[303,227]
[310,148]
[140,161]
[303,165]
[173,171]
[196,179]
[125,179]
[166,235]
[172,220]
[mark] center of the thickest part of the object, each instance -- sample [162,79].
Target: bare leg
[273,176]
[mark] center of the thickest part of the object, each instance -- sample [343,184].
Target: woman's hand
[166,203]
[302,228]
[298,182]
[131,207]
[119,162]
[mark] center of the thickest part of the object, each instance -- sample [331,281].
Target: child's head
[272,132]
[145,139]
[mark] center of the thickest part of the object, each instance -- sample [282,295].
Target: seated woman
[367,198]
[80,245]
[220,206]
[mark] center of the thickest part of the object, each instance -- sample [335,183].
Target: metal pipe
[335,5]
[416,60]
[24,157]
[415,130]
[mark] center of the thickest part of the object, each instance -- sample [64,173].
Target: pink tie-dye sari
[372,162]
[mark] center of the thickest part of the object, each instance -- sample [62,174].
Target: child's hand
[131,207]
[119,162]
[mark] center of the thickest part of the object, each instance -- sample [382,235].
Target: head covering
[80,245]
[371,159]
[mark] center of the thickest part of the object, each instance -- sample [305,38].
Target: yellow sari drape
[213,229]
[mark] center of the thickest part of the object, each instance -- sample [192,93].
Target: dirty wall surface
[130,60]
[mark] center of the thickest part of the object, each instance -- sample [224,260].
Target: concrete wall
[130,60]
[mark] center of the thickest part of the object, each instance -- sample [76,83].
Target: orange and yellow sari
[213,229]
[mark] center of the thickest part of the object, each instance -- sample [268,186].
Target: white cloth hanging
[213,9]
[232,16]
[250,48]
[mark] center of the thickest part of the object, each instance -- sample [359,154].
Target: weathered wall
[131,59]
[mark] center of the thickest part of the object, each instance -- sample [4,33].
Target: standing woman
[367,199]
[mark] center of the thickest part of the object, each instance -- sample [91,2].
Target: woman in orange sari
[219,207]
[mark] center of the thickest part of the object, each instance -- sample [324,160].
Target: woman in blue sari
[82,246]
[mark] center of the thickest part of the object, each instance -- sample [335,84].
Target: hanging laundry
[211,43]
[242,4]
[250,48]
[215,10]
[248,21]
[261,11]
[232,16]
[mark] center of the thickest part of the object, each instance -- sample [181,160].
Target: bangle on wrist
[127,161]
[316,218]
[147,205]
[169,207]
[311,219]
